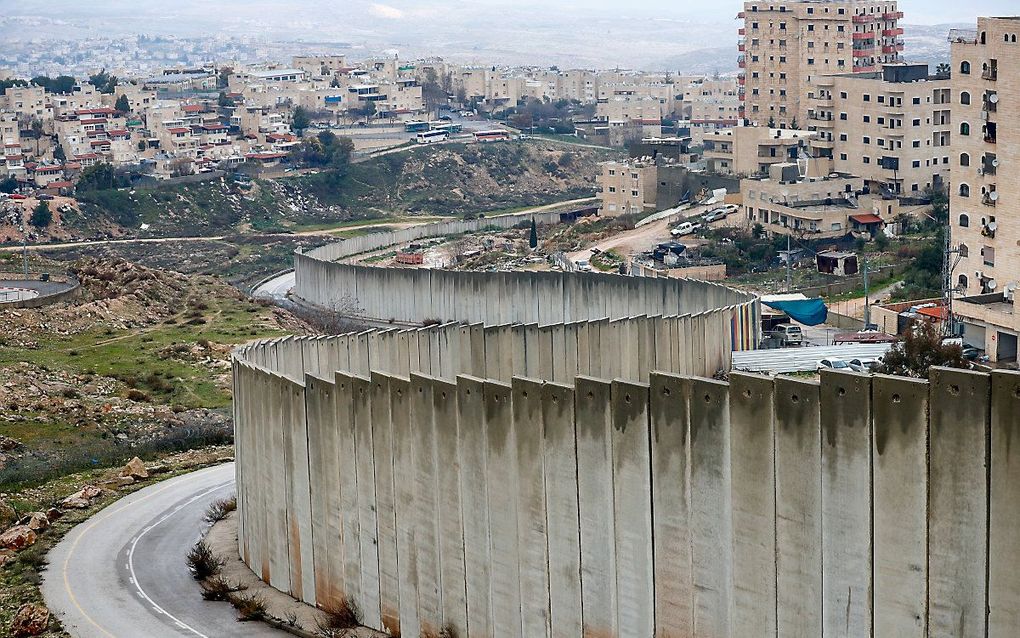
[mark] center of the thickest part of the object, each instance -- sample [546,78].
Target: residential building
[810,208]
[984,193]
[751,150]
[627,188]
[786,44]
[710,105]
[892,127]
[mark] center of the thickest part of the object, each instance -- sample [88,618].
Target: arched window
[964,159]
[1012,39]
[963,282]
[964,192]
[964,220]
[965,67]
[965,98]
[964,251]
[1005,37]
[984,37]
[964,128]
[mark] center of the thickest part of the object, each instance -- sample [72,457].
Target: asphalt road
[122,573]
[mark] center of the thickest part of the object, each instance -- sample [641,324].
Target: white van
[788,334]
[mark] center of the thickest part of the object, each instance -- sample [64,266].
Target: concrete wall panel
[846,505]
[753,505]
[798,509]
[383,452]
[632,509]
[1004,520]
[671,506]
[900,506]
[595,495]
[958,509]
[472,453]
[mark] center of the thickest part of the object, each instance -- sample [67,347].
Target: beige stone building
[892,127]
[751,150]
[627,188]
[811,208]
[786,45]
[984,191]
[710,105]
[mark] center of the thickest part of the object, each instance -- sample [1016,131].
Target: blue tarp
[810,312]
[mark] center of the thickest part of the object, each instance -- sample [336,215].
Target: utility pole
[24,251]
[867,296]
[789,265]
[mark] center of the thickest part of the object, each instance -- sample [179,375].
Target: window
[965,98]
[916,122]
[964,159]
[964,129]
[917,100]
[867,119]
[964,220]
[964,251]
[916,144]
[867,140]
[965,67]
[964,192]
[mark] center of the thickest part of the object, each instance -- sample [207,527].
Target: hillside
[438,180]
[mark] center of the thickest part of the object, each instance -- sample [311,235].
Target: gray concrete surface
[122,573]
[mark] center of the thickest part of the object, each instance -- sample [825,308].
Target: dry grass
[336,619]
[202,562]
[218,510]
[249,606]
[219,588]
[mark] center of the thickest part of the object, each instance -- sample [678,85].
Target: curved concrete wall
[858,506]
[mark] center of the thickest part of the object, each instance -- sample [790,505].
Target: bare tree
[338,317]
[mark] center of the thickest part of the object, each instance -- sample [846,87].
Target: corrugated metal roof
[804,359]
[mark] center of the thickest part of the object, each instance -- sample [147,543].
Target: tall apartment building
[892,127]
[786,45]
[985,194]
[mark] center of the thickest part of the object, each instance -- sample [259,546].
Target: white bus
[432,137]
[496,135]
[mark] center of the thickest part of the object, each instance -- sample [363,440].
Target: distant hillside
[438,180]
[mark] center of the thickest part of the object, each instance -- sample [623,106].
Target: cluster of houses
[193,120]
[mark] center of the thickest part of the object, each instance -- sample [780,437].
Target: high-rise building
[892,127]
[786,45]
[984,194]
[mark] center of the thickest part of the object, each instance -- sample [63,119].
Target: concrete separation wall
[668,506]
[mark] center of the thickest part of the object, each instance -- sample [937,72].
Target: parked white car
[684,229]
[833,364]
[864,365]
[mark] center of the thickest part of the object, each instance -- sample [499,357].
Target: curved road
[122,573]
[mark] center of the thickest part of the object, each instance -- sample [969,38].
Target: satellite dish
[994,196]
[995,162]
[992,284]
[994,98]
[993,226]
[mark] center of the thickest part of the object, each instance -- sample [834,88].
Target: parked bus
[449,127]
[415,127]
[432,137]
[492,136]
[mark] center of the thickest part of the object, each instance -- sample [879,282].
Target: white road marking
[134,544]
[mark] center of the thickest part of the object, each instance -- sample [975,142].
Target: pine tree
[533,238]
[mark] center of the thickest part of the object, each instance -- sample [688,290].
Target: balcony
[991,73]
[861,19]
[741,80]
[863,35]
[892,48]
[892,33]
[741,31]
[990,198]
[742,62]
[892,15]
[865,69]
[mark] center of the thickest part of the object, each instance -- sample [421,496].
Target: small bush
[219,588]
[69,393]
[218,510]
[33,558]
[336,618]
[202,562]
[249,606]
[197,321]
[138,396]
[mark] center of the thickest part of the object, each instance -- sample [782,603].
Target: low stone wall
[49,292]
